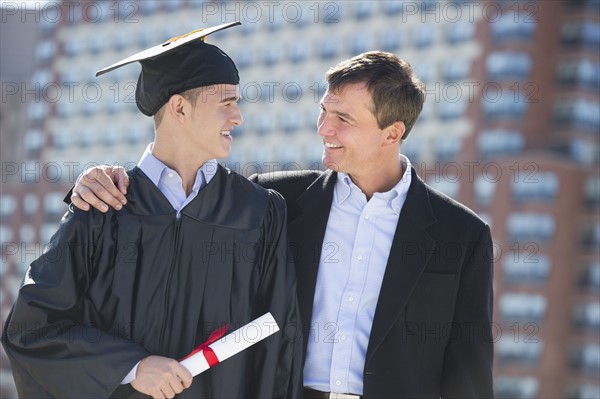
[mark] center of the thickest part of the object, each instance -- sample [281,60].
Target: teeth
[329,145]
[225,134]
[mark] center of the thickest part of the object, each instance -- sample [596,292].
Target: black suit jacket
[431,335]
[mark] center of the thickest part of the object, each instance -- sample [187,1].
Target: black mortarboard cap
[182,63]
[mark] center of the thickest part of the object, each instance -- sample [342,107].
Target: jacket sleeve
[468,359]
[280,373]
[56,347]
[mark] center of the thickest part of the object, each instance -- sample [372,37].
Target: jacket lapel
[306,234]
[411,249]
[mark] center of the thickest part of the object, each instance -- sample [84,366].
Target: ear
[394,133]
[178,107]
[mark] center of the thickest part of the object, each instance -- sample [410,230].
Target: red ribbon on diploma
[208,353]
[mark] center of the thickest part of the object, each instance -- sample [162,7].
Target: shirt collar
[154,168]
[345,186]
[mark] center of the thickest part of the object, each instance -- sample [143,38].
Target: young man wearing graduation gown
[117,297]
[394,277]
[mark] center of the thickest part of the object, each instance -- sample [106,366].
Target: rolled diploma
[234,342]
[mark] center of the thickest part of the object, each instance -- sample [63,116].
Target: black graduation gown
[114,288]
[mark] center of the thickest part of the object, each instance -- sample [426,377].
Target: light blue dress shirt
[170,184]
[353,260]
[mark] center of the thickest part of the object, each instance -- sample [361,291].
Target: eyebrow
[344,115]
[231,98]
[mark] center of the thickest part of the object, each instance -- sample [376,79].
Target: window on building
[328,48]
[364,9]
[484,190]
[453,108]
[298,51]
[8,206]
[87,137]
[508,65]
[45,50]
[362,42]
[391,40]
[589,277]
[447,148]
[38,111]
[584,73]
[521,306]
[425,70]
[501,103]
[516,387]
[537,227]
[6,233]
[500,142]
[590,236]
[31,204]
[424,35]
[460,32]
[582,391]
[53,203]
[290,121]
[525,351]
[245,57]
[271,54]
[456,69]
[587,315]
[511,27]
[47,231]
[446,186]
[592,192]
[526,267]
[26,234]
[264,124]
[581,34]
[541,186]
[61,139]
[585,357]
[391,8]
[34,140]
[579,112]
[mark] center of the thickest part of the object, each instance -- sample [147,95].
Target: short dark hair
[397,92]
[191,95]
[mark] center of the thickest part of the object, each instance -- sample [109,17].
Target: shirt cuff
[131,376]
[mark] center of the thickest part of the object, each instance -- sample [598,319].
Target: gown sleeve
[279,372]
[57,344]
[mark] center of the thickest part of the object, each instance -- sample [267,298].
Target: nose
[323,127]
[237,118]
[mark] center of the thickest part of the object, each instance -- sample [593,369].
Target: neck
[379,181]
[180,160]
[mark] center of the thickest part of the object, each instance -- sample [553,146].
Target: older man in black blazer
[394,278]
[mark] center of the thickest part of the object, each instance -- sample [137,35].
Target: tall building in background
[510,128]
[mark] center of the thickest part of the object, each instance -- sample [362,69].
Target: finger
[107,181]
[88,196]
[122,180]
[185,376]
[168,391]
[79,203]
[177,386]
[100,193]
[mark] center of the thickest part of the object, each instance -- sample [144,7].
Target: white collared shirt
[170,183]
[353,260]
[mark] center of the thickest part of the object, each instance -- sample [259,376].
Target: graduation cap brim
[166,47]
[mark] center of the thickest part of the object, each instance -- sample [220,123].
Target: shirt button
[338,382]
[171,175]
[350,299]
[343,337]
[367,217]
[359,257]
